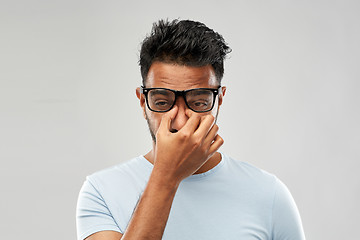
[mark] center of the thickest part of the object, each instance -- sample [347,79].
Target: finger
[166,119]
[218,142]
[192,123]
[211,135]
[205,126]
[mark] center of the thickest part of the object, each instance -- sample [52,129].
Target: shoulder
[248,171]
[108,196]
[272,195]
[133,171]
[253,180]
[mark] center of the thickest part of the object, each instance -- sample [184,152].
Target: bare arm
[177,156]
[152,212]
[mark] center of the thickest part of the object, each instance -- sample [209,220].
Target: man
[184,188]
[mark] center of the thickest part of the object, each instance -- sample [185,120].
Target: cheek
[153,118]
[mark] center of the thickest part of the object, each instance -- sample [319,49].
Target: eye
[161,103]
[200,104]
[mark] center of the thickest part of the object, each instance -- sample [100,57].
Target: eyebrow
[161,92]
[199,91]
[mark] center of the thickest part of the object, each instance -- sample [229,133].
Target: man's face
[178,77]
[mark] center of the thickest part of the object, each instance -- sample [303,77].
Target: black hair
[183,42]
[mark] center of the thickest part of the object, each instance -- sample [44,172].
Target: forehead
[179,77]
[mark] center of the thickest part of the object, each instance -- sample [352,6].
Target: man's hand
[179,155]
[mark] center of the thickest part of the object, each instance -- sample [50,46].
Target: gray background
[68,105]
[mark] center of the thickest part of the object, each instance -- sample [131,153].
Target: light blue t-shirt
[234,200]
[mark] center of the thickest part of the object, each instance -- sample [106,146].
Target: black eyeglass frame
[145,91]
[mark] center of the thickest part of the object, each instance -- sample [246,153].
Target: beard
[152,130]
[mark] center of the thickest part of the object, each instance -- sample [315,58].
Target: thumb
[166,119]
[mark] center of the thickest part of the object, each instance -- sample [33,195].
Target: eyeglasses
[197,99]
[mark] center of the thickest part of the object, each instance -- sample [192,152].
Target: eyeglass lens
[199,100]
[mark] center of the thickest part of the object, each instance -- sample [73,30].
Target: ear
[141,98]
[221,94]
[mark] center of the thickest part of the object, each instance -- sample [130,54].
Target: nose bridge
[179,121]
[180,100]
[180,94]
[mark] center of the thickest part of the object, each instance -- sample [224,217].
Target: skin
[186,143]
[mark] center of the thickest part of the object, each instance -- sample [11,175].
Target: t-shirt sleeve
[92,213]
[286,221]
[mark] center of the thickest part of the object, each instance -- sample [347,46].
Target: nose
[181,118]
